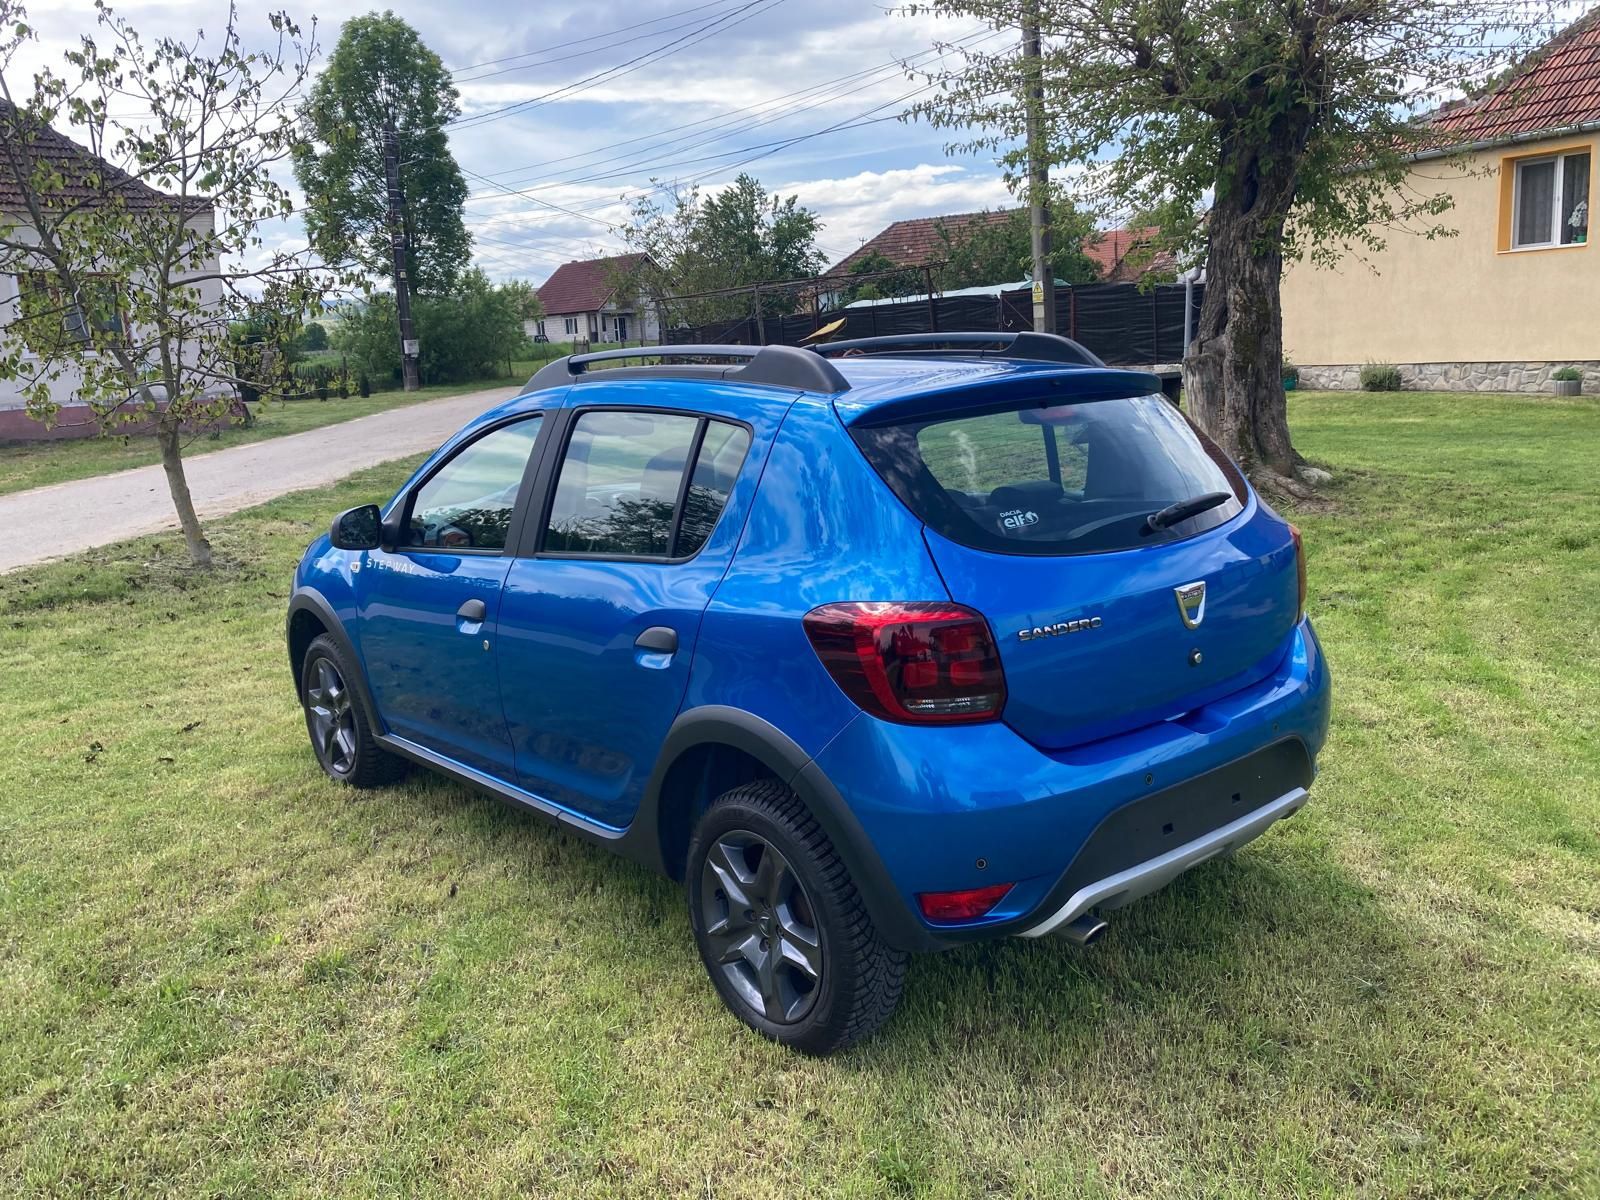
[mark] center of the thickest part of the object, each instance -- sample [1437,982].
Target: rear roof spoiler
[1036,347]
[775,366]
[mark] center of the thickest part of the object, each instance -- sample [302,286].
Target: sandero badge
[1059,628]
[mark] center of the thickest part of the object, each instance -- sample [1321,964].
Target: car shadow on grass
[1237,944]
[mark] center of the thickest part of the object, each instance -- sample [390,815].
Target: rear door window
[640,484]
[1063,479]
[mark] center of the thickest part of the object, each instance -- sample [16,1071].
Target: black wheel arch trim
[308,599]
[723,725]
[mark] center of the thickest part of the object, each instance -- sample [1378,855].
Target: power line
[739,120]
[597,37]
[626,67]
[764,150]
[610,42]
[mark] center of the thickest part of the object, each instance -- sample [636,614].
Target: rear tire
[344,742]
[781,928]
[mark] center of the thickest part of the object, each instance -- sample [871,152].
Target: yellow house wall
[1467,298]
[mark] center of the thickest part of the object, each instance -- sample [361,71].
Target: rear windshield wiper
[1184,509]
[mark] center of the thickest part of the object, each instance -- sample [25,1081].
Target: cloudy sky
[570,107]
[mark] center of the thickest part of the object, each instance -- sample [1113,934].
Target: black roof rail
[777,366]
[1038,347]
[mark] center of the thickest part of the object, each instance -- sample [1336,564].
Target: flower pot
[1568,387]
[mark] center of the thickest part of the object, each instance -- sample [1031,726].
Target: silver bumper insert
[1153,874]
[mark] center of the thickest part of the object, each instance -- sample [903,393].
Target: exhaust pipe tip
[1085,929]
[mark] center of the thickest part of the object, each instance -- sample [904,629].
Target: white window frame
[1557,194]
[570,325]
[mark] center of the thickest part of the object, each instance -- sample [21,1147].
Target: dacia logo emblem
[1191,603]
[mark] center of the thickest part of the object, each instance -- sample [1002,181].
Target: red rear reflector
[967,905]
[1300,570]
[921,663]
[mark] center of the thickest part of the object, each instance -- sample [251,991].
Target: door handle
[658,639]
[472,610]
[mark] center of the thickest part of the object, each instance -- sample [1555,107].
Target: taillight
[966,905]
[1299,570]
[923,663]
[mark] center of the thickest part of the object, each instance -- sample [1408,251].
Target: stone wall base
[1525,377]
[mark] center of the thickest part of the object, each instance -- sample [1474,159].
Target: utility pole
[410,375]
[1044,283]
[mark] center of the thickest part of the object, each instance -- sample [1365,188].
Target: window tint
[1068,479]
[468,502]
[621,479]
[722,453]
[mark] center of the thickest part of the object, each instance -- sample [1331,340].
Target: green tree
[893,280]
[1267,107]
[314,337]
[131,273]
[741,236]
[474,332]
[524,298]
[381,70]
[979,253]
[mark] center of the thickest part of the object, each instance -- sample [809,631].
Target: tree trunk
[168,434]
[1233,371]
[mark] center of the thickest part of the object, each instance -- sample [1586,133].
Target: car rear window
[1057,479]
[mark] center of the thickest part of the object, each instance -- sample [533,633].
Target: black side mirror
[357,528]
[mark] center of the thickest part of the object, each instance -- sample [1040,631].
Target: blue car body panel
[550,702]
[590,743]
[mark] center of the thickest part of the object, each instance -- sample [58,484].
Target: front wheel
[780,926]
[344,742]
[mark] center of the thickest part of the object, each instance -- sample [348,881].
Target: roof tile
[86,175]
[1558,89]
[586,285]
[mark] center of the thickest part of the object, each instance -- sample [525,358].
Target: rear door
[598,625]
[1039,518]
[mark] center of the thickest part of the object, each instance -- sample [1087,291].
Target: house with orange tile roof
[921,241]
[1515,294]
[588,301]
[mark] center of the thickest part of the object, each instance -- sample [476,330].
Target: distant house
[587,301]
[921,240]
[73,162]
[1516,294]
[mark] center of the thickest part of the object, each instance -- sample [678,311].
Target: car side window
[620,492]
[467,503]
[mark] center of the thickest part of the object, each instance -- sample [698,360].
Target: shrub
[363,384]
[469,334]
[1566,374]
[1380,377]
[1291,374]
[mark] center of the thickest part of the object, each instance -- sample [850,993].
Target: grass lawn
[34,464]
[222,974]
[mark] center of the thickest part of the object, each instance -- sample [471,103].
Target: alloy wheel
[331,718]
[761,926]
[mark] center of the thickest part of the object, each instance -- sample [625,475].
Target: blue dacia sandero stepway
[879,647]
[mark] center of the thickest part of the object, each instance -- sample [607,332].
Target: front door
[430,607]
[598,629]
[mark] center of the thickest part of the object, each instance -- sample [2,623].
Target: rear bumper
[1139,880]
[1093,826]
